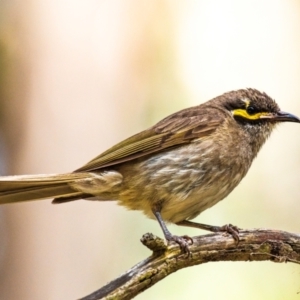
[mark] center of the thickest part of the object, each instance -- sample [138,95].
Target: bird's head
[255,113]
[254,107]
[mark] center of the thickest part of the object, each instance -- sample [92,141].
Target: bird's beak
[281,116]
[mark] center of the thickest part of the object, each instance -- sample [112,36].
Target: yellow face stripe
[243,113]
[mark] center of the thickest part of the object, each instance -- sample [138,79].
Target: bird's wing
[177,129]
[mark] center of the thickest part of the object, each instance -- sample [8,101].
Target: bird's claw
[232,230]
[183,241]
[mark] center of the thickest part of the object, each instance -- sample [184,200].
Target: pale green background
[79,76]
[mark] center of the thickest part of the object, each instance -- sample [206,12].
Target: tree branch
[254,245]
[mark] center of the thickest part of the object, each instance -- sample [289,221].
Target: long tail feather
[34,187]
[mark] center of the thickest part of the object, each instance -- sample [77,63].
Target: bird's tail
[34,187]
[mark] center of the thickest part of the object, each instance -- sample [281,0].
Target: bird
[172,171]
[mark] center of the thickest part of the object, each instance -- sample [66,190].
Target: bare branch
[255,245]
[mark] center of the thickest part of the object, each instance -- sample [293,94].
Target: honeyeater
[172,171]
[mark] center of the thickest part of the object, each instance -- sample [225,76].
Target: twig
[254,245]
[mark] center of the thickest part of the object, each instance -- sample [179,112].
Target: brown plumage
[172,171]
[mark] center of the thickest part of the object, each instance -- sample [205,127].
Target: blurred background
[76,77]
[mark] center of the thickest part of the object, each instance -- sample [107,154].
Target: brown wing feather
[177,129]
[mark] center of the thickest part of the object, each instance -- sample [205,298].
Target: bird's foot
[183,241]
[231,229]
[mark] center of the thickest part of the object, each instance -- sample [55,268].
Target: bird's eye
[251,110]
